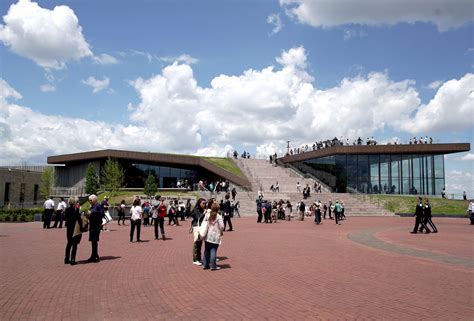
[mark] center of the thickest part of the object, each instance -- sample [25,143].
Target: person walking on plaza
[121,212]
[95,213]
[419,217]
[301,208]
[259,210]
[470,212]
[105,207]
[298,187]
[198,216]
[317,213]
[337,212]
[427,217]
[288,210]
[236,208]
[343,216]
[59,213]
[136,214]
[234,193]
[226,209]
[73,222]
[212,237]
[48,212]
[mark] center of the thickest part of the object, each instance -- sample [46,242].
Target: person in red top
[159,214]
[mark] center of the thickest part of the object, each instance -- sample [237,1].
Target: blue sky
[203,77]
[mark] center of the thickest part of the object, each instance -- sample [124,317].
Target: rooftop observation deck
[419,149]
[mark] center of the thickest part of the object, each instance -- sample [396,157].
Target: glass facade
[165,176]
[379,174]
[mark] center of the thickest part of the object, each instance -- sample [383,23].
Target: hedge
[19,215]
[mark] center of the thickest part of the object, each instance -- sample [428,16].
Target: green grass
[226,164]
[407,204]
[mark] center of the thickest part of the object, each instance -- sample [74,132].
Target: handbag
[77,230]
[85,224]
[203,229]
[107,218]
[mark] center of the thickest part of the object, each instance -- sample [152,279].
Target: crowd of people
[270,212]
[370,141]
[209,220]
[146,212]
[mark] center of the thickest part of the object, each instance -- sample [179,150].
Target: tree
[150,185]
[92,180]
[112,175]
[46,182]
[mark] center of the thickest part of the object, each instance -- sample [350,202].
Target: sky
[206,77]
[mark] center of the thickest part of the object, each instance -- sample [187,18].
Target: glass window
[363,165]
[416,167]
[164,171]
[406,186]
[174,172]
[439,166]
[406,168]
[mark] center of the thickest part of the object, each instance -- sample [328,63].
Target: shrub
[23,218]
[7,218]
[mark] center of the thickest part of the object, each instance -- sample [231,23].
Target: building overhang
[419,149]
[150,158]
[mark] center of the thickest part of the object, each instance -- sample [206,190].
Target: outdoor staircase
[262,174]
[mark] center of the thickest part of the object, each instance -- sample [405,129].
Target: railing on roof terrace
[67,191]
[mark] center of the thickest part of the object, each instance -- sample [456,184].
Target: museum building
[167,169]
[380,169]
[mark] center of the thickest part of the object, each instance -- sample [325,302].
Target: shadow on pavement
[224,266]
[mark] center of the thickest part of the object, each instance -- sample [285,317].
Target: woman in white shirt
[213,237]
[136,214]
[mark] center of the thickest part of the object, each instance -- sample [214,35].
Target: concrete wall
[16,178]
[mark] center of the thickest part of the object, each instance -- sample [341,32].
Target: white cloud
[435,84]
[295,57]
[105,59]
[97,84]
[6,91]
[215,150]
[459,181]
[275,20]
[451,109]
[257,108]
[48,37]
[351,33]
[46,88]
[147,55]
[445,14]
[468,157]
[184,58]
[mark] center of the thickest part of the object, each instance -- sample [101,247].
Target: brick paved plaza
[367,268]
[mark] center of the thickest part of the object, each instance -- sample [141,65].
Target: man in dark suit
[419,218]
[96,213]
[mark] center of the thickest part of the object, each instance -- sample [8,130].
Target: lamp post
[288,147]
